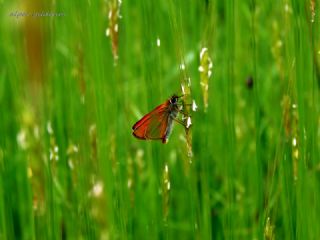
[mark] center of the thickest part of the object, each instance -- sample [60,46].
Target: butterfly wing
[153,125]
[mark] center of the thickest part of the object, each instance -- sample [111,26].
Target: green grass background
[69,166]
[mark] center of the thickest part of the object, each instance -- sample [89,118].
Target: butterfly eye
[174,99]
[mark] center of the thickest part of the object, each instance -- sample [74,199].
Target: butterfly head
[174,99]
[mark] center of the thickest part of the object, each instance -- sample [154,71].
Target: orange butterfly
[158,123]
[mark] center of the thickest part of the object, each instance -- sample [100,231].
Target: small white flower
[188,122]
[204,85]
[182,89]
[70,164]
[182,66]
[166,169]
[158,42]
[97,189]
[201,69]
[75,148]
[203,50]
[21,139]
[189,81]
[294,142]
[107,32]
[49,128]
[194,106]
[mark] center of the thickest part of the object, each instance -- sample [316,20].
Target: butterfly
[157,124]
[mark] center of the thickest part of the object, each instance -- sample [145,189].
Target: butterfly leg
[182,105]
[179,121]
[183,113]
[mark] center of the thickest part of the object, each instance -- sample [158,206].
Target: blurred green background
[73,83]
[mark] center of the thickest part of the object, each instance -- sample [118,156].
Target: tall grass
[248,168]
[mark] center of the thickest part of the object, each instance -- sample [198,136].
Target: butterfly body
[158,124]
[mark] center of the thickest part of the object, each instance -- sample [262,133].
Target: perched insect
[158,123]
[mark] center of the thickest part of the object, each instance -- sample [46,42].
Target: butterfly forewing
[153,125]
